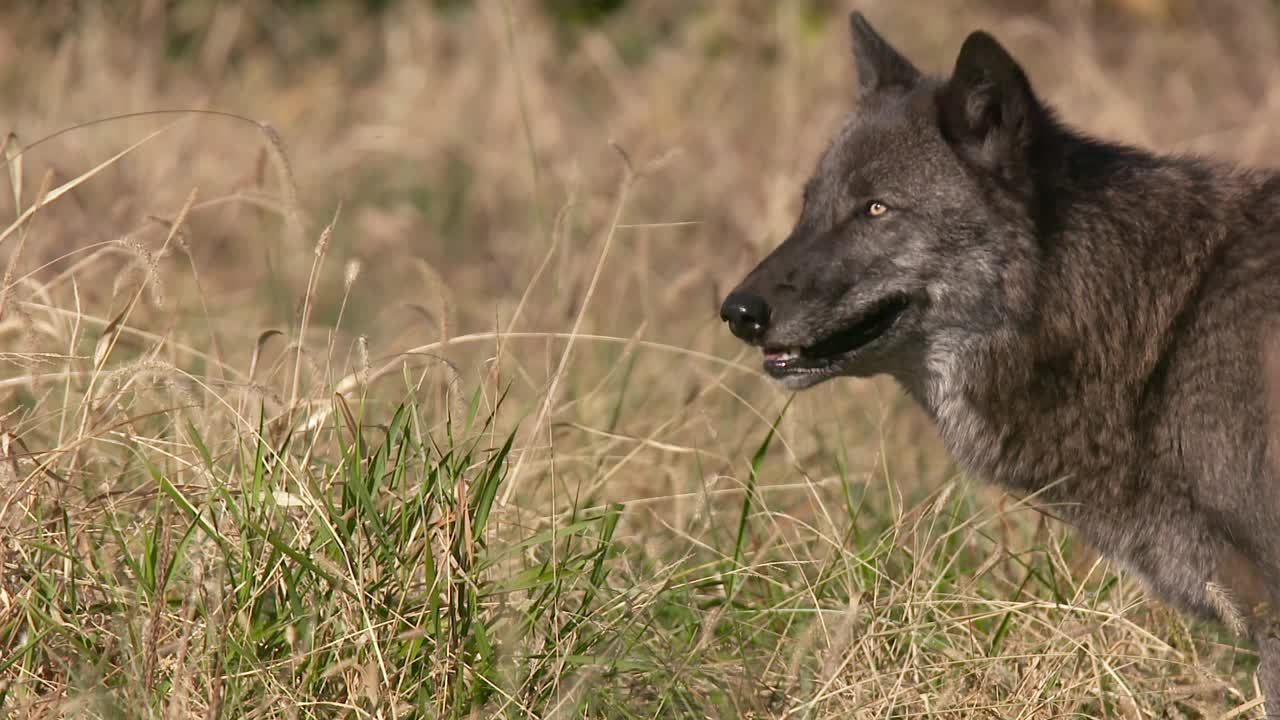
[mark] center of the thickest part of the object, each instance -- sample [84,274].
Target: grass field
[382,377]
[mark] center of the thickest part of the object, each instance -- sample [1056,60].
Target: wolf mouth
[821,357]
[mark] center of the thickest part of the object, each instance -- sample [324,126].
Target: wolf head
[917,228]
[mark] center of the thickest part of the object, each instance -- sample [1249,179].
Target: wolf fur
[1088,323]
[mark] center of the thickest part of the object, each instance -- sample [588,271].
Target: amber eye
[876,208]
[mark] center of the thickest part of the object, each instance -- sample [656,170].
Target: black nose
[747,315]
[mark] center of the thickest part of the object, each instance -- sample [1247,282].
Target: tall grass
[397,390]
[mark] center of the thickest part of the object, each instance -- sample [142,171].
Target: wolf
[1088,324]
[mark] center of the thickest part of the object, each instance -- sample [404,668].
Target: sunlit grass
[417,406]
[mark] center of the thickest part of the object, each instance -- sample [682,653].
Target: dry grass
[258,375]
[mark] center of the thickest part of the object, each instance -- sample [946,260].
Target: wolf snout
[747,315]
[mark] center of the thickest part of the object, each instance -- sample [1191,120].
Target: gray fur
[1088,323]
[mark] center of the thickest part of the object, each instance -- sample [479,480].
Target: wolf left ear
[988,106]
[879,65]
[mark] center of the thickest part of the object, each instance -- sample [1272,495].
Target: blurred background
[533,208]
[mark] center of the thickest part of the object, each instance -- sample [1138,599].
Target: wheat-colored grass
[476,444]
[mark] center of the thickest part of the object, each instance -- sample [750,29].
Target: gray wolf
[1088,323]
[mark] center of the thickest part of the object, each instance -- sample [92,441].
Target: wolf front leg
[1269,672]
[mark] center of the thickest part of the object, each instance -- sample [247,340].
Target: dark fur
[1086,322]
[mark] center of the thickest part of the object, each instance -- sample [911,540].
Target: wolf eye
[875,208]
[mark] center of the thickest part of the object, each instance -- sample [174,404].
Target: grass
[399,392]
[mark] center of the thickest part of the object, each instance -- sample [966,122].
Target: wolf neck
[1123,241]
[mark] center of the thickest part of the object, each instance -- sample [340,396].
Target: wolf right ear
[988,106]
[879,65]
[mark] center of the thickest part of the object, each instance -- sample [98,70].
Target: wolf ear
[988,106]
[879,65]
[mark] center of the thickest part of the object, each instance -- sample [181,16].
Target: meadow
[362,360]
